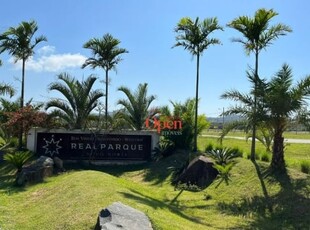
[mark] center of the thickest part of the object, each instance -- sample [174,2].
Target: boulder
[199,172]
[44,161]
[36,172]
[59,165]
[120,216]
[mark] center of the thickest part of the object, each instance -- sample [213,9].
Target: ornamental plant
[18,159]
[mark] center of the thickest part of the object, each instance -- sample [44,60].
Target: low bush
[257,156]
[265,157]
[165,148]
[305,166]
[224,172]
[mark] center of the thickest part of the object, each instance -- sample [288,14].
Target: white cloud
[45,50]
[47,61]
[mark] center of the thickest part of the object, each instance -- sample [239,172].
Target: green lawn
[72,200]
[237,133]
[294,153]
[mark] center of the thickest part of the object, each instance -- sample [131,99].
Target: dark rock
[44,161]
[59,165]
[33,175]
[120,216]
[199,172]
[36,172]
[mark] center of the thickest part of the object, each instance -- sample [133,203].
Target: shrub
[18,159]
[238,151]
[14,142]
[224,172]
[165,148]
[265,157]
[223,156]
[305,166]
[209,147]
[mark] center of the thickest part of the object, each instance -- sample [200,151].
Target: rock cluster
[38,170]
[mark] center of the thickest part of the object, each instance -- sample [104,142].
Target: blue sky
[146,30]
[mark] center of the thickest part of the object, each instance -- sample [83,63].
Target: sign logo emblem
[51,147]
[166,125]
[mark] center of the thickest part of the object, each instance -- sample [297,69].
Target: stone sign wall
[78,145]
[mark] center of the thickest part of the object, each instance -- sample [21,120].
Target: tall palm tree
[194,37]
[136,106]
[282,100]
[106,55]
[20,43]
[80,100]
[258,35]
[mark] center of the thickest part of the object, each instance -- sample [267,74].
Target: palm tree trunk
[254,109]
[106,97]
[20,135]
[278,162]
[196,104]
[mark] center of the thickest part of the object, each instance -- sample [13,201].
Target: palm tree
[245,110]
[258,35]
[282,100]
[106,55]
[136,106]
[6,89]
[264,132]
[19,42]
[194,37]
[186,113]
[80,100]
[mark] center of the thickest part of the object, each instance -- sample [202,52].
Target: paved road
[299,141]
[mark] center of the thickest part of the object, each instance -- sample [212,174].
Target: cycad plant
[224,156]
[18,159]
[224,160]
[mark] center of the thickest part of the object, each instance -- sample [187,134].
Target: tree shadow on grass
[112,169]
[290,207]
[159,204]
[154,172]
[157,172]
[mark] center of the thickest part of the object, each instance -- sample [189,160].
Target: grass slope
[72,200]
